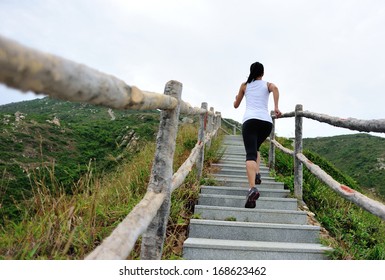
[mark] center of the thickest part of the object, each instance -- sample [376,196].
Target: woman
[257,123]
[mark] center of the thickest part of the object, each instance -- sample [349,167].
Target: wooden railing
[233,125]
[27,69]
[359,199]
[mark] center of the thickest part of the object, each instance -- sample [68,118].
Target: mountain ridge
[361,156]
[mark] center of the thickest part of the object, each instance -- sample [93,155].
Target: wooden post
[220,120]
[298,167]
[216,122]
[210,125]
[161,175]
[201,136]
[272,146]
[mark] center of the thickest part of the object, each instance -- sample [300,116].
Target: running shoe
[258,180]
[252,196]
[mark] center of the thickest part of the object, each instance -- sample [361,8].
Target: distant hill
[46,137]
[361,156]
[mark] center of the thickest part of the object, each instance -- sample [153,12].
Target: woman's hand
[277,112]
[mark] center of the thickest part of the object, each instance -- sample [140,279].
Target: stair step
[238,166]
[236,149]
[239,201]
[244,183]
[240,159]
[233,230]
[227,137]
[240,172]
[251,215]
[233,145]
[224,190]
[274,230]
[240,178]
[235,152]
[217,249]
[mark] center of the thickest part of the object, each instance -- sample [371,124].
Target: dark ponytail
[256,70]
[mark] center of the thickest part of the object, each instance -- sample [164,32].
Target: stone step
[239,178]
[217,249]
[238,166]
[238,156]
[238,148]
[231,157]
[233,137]
[251,215]
[274,230]
[234,230]
[240,172]
[244,183]
[225,190]
[239,151]
[239,201]
[233,144]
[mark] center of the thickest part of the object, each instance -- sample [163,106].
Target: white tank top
[257,99]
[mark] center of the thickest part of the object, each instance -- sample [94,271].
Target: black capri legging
[254,132]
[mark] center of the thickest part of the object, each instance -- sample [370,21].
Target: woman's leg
[251,170]
[258,162]
[249,133]
[264,129]
[250,140]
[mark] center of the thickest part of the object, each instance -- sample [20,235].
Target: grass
[355,233]
[35,148]
[58,225]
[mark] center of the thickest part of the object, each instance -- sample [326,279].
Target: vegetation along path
[224,229]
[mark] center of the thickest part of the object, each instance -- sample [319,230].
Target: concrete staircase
[274,230]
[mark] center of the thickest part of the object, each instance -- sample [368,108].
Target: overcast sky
[328,56]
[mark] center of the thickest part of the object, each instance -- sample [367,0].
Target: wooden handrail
[375,125]
[359,199]
[235,127]
[354,196]
[128,232]
[28,69]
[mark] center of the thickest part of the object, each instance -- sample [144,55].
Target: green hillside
[71,172]
[361,156]
[56,142]
[352,232]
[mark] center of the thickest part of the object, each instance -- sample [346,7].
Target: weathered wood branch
[201,135]
[28,69]
[228,133]
[119,244]
[284,115]
[185,168]
[282,148]
[186,108]
[357,198]
[350,123]
[272,146]
[298,166]
[161,176]
[235,127]
[122,240]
